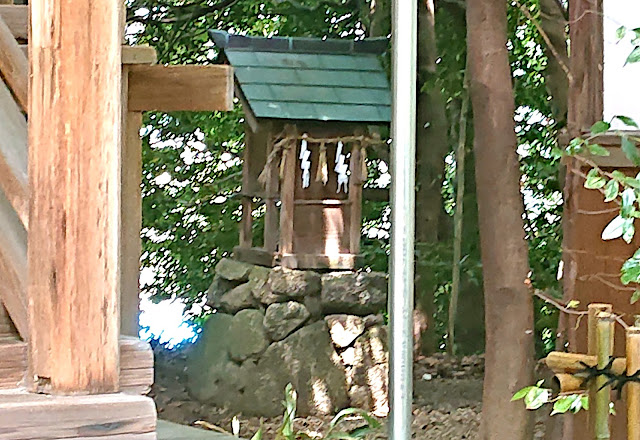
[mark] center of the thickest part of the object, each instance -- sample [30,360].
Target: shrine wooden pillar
[74,172]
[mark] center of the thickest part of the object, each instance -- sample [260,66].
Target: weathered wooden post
[74,163]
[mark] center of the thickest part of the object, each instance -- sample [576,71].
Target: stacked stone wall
[323,333]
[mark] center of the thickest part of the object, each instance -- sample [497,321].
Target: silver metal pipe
[403,129]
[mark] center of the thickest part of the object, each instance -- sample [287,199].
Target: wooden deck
[136,364]
[28,416]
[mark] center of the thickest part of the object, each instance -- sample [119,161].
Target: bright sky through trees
[621,94]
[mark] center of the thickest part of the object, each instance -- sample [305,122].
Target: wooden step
[26,416]
[136,364]
[13,266]
[13,362]
[7,329]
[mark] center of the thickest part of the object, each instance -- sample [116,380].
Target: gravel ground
[447,401]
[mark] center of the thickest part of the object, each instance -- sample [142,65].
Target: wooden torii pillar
[74,166]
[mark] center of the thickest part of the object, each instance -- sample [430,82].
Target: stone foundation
[324,334]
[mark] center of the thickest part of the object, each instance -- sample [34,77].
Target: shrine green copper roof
[310,79]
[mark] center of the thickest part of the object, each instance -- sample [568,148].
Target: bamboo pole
[592,349]
[568,383]
[570,363]
[602,393]
[633,388]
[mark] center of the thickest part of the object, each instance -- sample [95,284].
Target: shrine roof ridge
[335,46]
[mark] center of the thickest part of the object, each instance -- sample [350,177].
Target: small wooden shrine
[312,108]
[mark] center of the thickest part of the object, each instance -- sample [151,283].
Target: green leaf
[600,127]
[597,150]
[564,404]
[618,175]
[556,152]
[575,146]
[594,180]
[290,397]
[584,401]
[632,182]
[339,435]
[628,231]
[635,297]
[630,272]
[634,56]
[626,120]
[522,393]
[629,195]
[611,190]
[621,32]
[362,432]
[258,434]
[614,229]
[577,403]
[630,150]
[612,409]
[354,411]
[573,304]
[536,398]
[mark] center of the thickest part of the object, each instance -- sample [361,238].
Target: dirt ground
[447,401]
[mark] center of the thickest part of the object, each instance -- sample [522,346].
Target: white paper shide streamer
[305,163]
[342,168]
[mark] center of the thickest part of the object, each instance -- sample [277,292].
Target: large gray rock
[247,337]
[259,280]
[233,270]
[354,293]
[294,283]
[219,287]
[209,358]
[238,298]
[306,360]
[367,371]
[314,306]
[281,319]
[344,329]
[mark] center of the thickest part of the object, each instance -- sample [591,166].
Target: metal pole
[403,129]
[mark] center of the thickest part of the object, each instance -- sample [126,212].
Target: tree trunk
[470,319]
[432,144]
[508,303]
[554,24]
